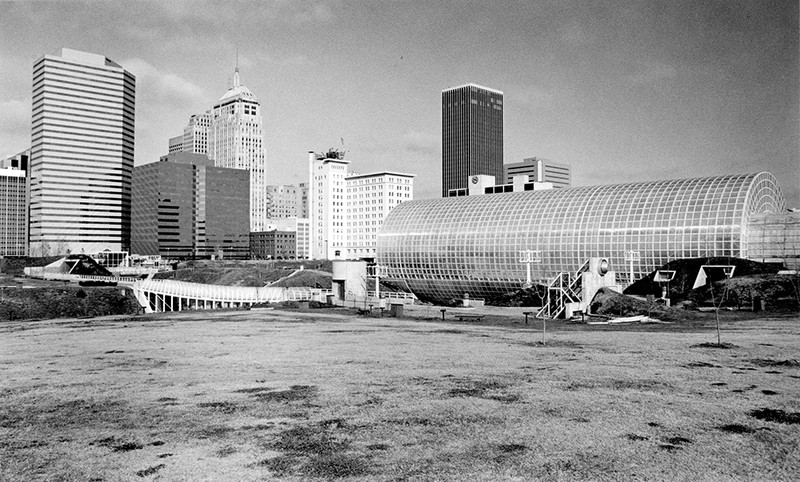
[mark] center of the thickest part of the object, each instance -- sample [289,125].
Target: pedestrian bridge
[156,295]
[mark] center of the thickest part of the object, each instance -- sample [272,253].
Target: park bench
[469,317]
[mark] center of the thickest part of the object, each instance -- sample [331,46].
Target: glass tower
[472,135]
[82,141]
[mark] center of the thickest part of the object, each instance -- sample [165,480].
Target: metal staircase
[564,288]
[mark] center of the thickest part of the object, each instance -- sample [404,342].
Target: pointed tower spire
[236,81]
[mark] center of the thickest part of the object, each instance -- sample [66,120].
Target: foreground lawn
[280,395]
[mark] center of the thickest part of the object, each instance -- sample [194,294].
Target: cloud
[163,85]
[421,142]
[651,73]
[273,12]
[15,129]
[530,96]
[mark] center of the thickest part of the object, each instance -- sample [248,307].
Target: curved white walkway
[170,295]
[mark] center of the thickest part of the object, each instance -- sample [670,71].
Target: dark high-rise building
[472,135]
[184,207]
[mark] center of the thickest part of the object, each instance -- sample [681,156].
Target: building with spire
[231,133]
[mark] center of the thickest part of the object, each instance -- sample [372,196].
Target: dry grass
[298,396]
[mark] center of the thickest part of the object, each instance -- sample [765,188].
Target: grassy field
[266,394]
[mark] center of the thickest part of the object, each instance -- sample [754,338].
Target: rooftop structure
[540,170]
[444,248]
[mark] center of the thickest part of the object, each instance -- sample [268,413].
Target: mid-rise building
[328,212]
[231,133]
[282,201]
[472,135]
[13,212]
[185,207]
[273,244]
[540,170]
[176,144]
[82,143]
[370,198]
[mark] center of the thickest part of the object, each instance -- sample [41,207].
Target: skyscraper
[82,141]
[472,135]
[14,205]
[232,134]
[327,205]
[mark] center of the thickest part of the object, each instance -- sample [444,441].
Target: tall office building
[328,213]
[232,134]
[472,135]
[370,198]
[82,141]
[14,205]
[540,170]
[184,206]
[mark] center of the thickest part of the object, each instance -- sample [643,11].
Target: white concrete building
[370,198]
[82,142]
[327,173]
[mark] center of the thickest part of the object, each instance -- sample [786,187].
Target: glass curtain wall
[443,248]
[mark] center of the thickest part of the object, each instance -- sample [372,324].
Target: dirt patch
[294,393]
[487,389]
[281,466]
[316,439]
[117,445]
[316,450]
[222,407]
[720,346]
[701,365]
[735,428]
[150,470]
[776,415]
[767,362]
[336,466]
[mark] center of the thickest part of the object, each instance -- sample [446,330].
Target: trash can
[303,305]
[396,310]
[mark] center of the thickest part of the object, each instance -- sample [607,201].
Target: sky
[622,91]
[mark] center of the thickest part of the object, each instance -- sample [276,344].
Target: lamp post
[529,256]
[632,256]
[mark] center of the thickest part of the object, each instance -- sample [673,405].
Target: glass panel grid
[445,247]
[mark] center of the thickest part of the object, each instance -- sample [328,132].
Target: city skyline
[623,93]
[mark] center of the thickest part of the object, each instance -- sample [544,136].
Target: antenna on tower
[236,81]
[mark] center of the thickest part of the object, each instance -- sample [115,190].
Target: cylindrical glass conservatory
[443,248]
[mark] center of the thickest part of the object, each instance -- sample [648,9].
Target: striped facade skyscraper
[82,143]
[472,135]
